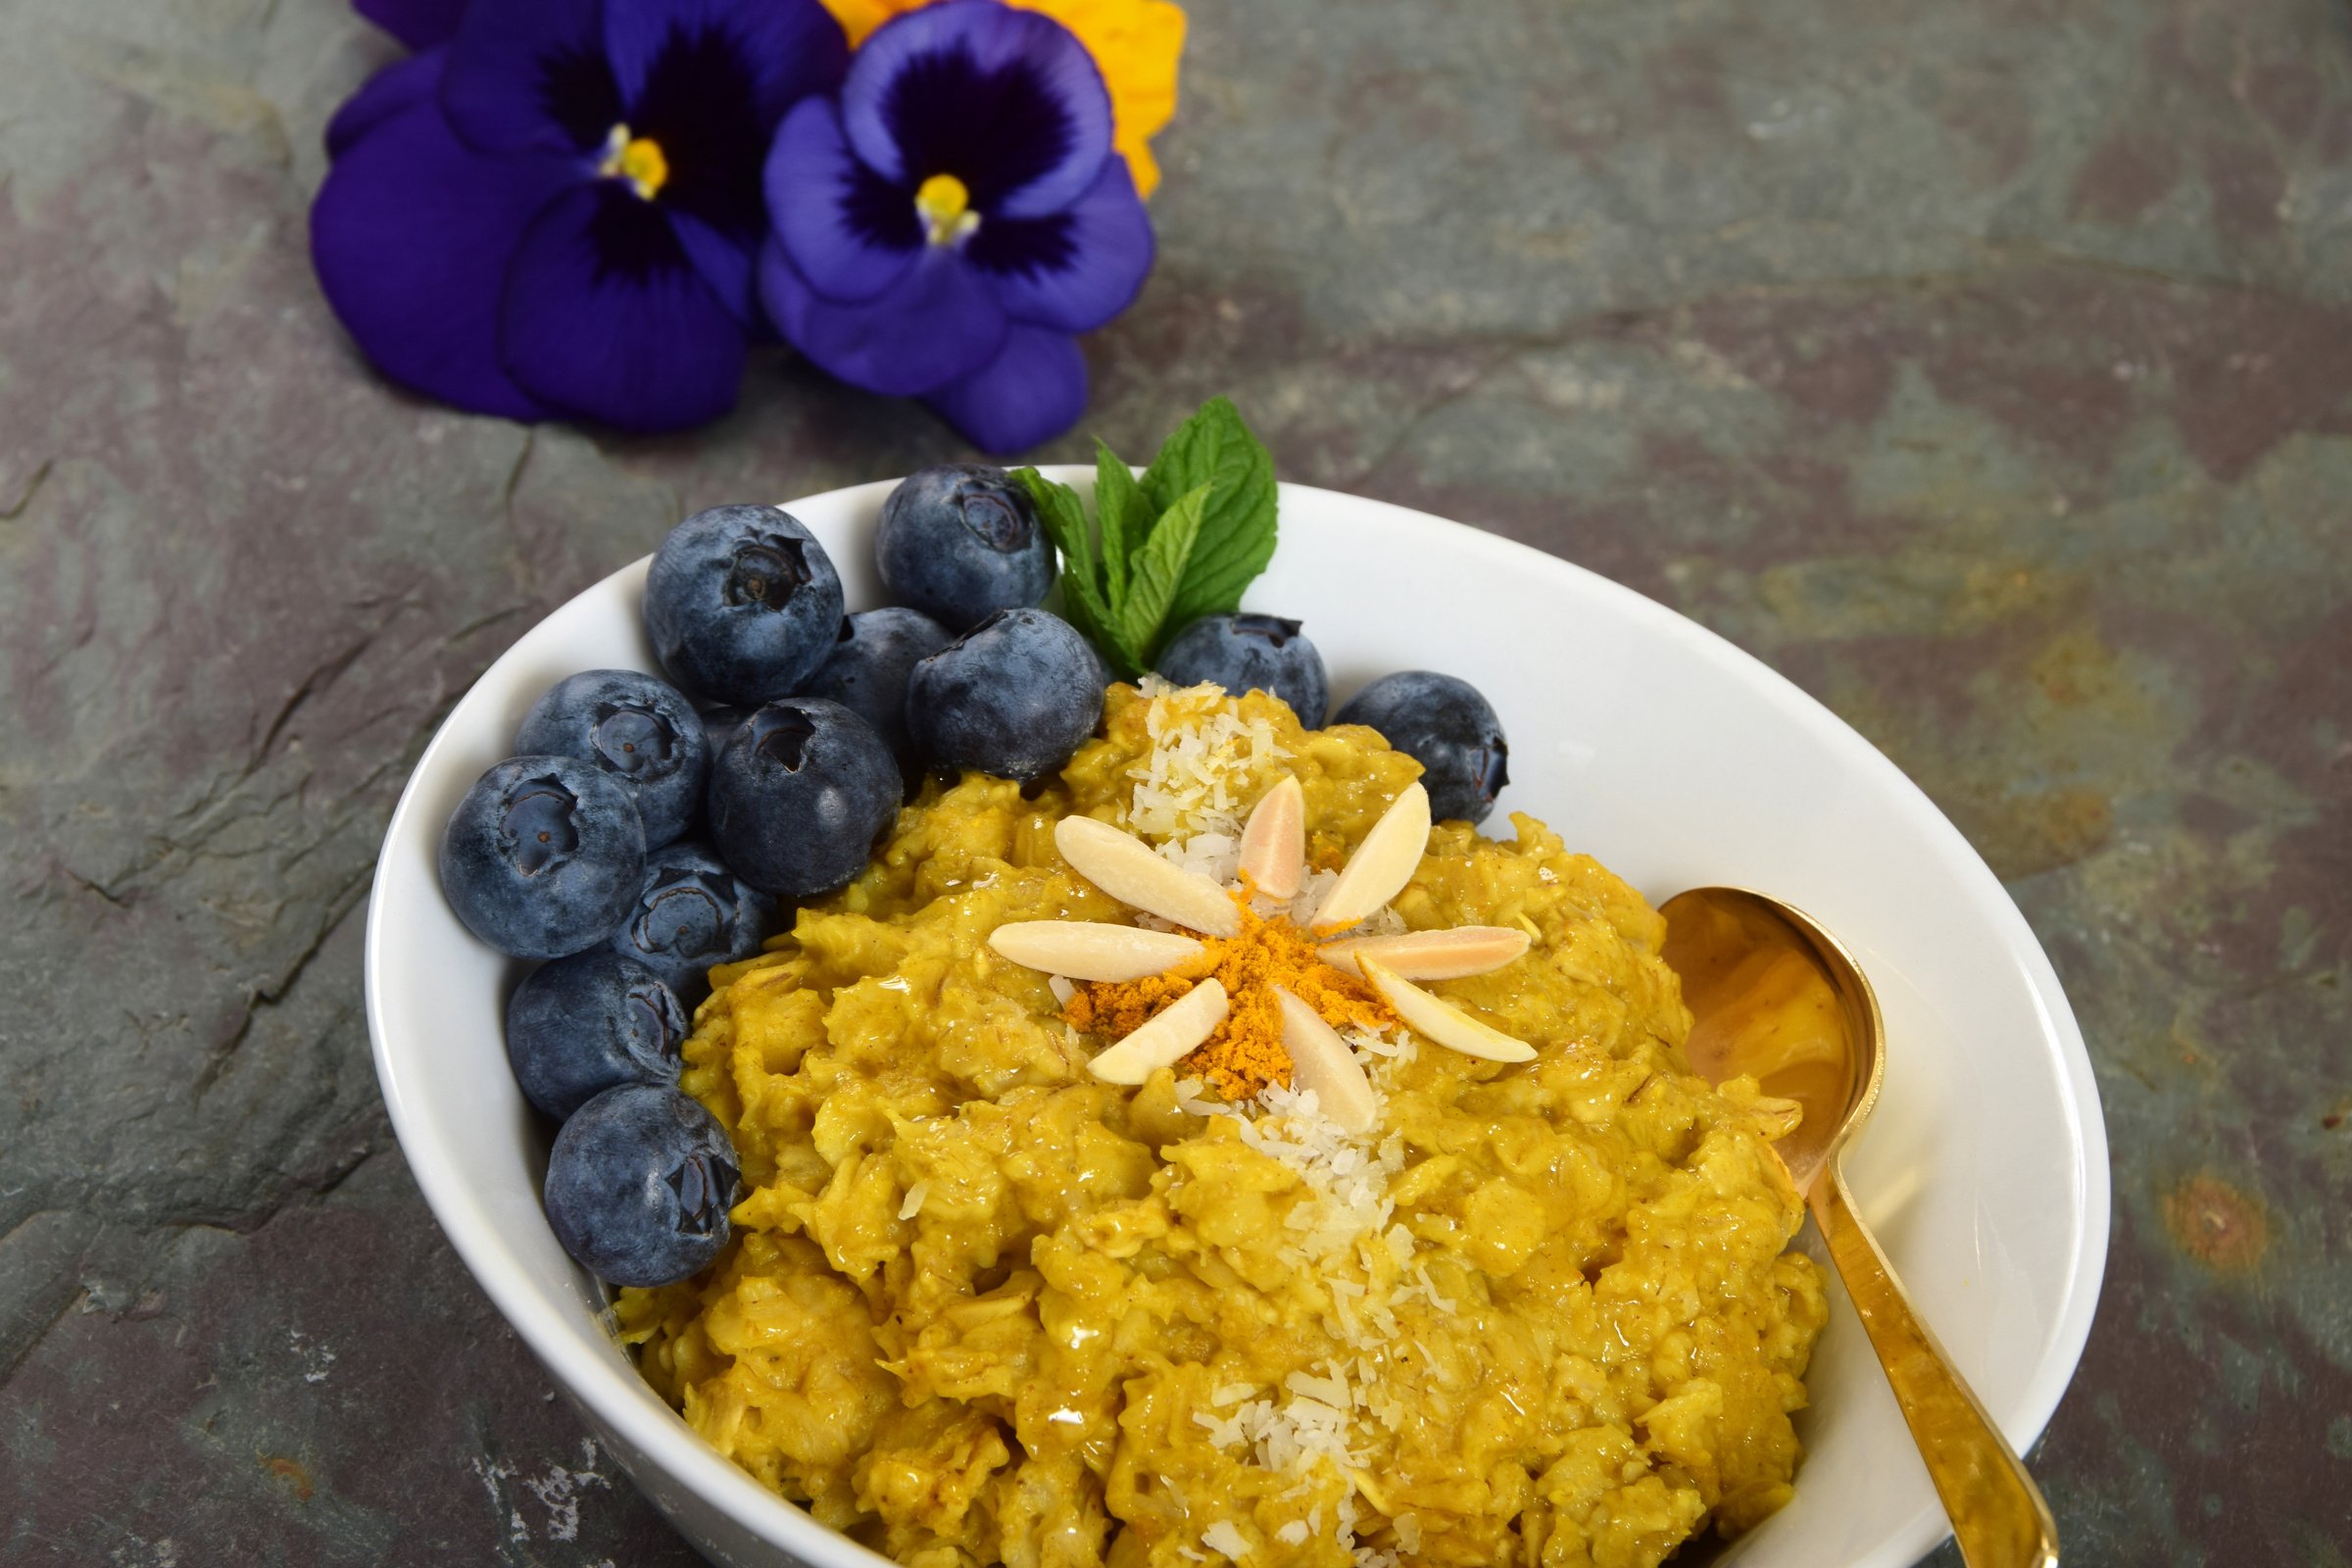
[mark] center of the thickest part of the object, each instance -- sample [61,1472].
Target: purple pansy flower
[557,211]
[944,227]
[418,24]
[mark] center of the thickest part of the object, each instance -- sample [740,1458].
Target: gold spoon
[1776,996]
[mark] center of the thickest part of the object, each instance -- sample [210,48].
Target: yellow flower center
[636,159]
[946,209]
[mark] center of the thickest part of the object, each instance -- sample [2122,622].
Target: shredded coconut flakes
[1223,1538]
[1184,802]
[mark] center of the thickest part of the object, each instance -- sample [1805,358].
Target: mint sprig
[1126,516]
[1084,602]
[1156,575]
[1215,449]
[1162,551]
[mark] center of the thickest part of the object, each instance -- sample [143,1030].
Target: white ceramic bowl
[1656,746]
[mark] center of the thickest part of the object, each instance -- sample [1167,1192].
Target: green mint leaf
[1125,515]
[1158,573]
[1063,516]
[1083,607]
[1214,448]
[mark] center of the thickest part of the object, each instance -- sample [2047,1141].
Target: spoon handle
[1997,1513]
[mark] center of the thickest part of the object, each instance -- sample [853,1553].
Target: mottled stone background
[1984,365]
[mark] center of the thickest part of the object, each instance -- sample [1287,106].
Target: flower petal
[532,74]
[1008,101]
[1447,952]
[411,236]
[1125,867]
[399,85]
[1091,949]
[707,81]
[1435,1020]
[1032,391]
[418,24]
[1073,269]
[606,316]
[1274,840]
[1321,1061]
[784,49]
[937,323]
[1381,864]
[850,233]
[1166,1038]
[729,268]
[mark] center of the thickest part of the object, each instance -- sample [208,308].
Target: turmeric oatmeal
[983,1307]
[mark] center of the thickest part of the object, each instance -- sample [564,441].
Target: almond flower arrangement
[593,209]
[1254,979]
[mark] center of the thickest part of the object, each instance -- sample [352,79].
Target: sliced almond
[1274,844]
[1449,954]
[1121,865]
[1321,1060]
[1166,1038]
[1381,864]
[1089,950]
[1440,1020]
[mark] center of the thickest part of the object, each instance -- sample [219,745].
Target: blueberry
[742,604]
[959,541]
[1449,729]
[1014,697]
[690,913]
[800,795]
[543,855]
[582,1024]
[869,666]
[640,730]
[639,1185]
[1251,652]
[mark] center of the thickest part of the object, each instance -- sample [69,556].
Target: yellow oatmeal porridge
[982,1306]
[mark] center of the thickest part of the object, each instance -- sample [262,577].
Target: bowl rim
[664,1439]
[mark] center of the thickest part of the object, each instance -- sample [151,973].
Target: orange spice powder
[1246,1053]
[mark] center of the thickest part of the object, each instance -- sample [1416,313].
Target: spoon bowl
[1774,996]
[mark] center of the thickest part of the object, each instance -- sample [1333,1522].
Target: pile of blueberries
[647,830]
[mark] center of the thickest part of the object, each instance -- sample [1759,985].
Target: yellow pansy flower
[1136,45]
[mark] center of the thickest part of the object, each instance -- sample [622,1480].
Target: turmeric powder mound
[1246,1053]
[1113,1010]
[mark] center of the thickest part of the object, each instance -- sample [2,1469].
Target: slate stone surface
[1983,364]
